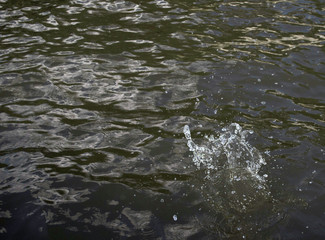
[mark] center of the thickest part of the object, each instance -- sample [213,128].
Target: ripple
[94,94]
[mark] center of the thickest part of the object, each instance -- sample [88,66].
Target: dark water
[95,95]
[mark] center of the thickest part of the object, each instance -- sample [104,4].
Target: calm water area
[162,119]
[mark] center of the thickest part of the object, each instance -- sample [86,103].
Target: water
[94,97]
[231,183]
[233,144]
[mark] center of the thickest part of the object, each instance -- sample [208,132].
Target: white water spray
[228,151]
[231,183]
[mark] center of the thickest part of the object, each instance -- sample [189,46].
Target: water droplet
[231,151]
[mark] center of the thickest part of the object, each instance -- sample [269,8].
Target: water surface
[94,97]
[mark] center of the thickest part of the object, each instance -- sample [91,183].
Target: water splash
[230,182]
[230,150]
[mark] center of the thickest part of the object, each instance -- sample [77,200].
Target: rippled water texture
[94,97]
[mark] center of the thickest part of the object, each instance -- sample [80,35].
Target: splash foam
[230,150]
